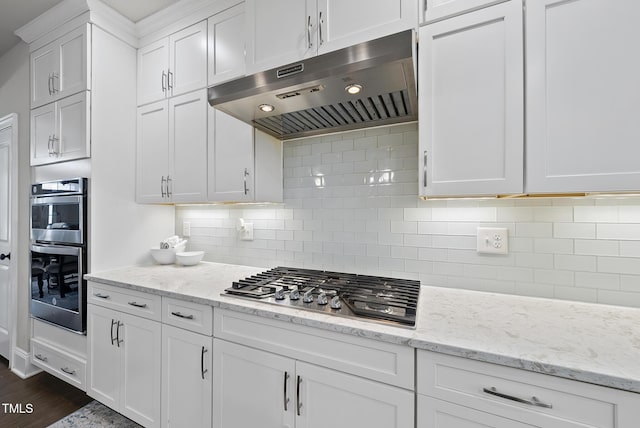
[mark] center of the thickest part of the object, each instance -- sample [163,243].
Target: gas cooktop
[387,300]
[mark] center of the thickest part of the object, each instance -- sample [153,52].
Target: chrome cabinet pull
[309,44]
[54,152]
[49,81]
[298,402]
[424,170]
[138,305]
[179,315]
[164,86]
[101,296]
[286,399]
[54,76]
[320,22]
[246,174]
[49,145]
[162,182]
[533,402]
[118,341]
[170,80]
[113,322]
[40,357]
[169,180]
[202,369]
[68,371]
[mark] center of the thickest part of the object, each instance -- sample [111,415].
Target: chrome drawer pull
[138,305]
[68,371]
[179,315]
[40,357]
[533,402]
[101,296]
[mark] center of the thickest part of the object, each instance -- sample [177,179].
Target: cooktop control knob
[335,302]
[307,297]
[322,298]
[294,295]
[279,295]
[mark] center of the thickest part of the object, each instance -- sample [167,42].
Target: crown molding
[70,14]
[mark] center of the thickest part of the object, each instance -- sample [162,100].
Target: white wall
[351,205]
[14,98]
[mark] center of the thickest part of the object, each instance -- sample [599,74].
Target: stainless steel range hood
[310,98]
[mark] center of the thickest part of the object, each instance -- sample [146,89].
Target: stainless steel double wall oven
[59,252]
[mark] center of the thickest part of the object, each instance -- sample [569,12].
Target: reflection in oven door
[58,292]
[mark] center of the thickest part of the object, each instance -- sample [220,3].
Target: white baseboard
[21,364]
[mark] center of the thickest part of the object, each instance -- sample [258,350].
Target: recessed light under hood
[310,97]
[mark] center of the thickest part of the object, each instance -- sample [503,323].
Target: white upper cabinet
[61,68]
[434,10]
[284,31]
[172,150]
[583,131]
[243,164]
[174,65]
[344,23]
[226,32]
[471,103]
[279,32]
[60,131]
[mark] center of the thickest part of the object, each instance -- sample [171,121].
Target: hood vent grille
[386,107]
[315,96]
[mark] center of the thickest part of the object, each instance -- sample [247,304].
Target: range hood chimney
[369,84]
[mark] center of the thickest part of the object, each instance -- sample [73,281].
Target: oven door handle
[52,200]
[57,249]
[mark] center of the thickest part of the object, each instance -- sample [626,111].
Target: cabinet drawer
[435,10]
[130,301]
[188,315]
[385,362]
[59,363]
[496,389]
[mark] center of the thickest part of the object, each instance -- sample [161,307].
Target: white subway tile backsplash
[351,205]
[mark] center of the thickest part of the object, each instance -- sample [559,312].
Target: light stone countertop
[593,343]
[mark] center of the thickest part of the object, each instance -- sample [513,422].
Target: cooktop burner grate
[390,300]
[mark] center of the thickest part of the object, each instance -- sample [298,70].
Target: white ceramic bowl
[189,258]
[166,256]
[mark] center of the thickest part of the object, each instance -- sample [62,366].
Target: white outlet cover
[186,229]
[246,232]
[493,240]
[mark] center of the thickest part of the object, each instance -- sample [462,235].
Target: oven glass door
[57,219]
[57,288]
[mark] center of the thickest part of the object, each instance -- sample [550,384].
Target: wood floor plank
[51,399]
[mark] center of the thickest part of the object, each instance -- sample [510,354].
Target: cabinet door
[188,59]
[153,64]
[226,33]
[253,388]
[471,104]
[582,96]
[279,32]
[438,9]
[433,413]
[103,356]
[74,62]
[330,398]
[186,378]
[345,23]
[43,127]
[188,147]
[230,158]
[72,139]
[152,152]
[43,65]
[141,369]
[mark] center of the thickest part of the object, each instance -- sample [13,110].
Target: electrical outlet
[246,232]
[493,240]
[186,228]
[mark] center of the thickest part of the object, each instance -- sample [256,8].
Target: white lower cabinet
[124,363]
[186,378]
[455,392]
[284,392]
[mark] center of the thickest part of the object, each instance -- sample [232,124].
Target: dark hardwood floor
[50,398]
